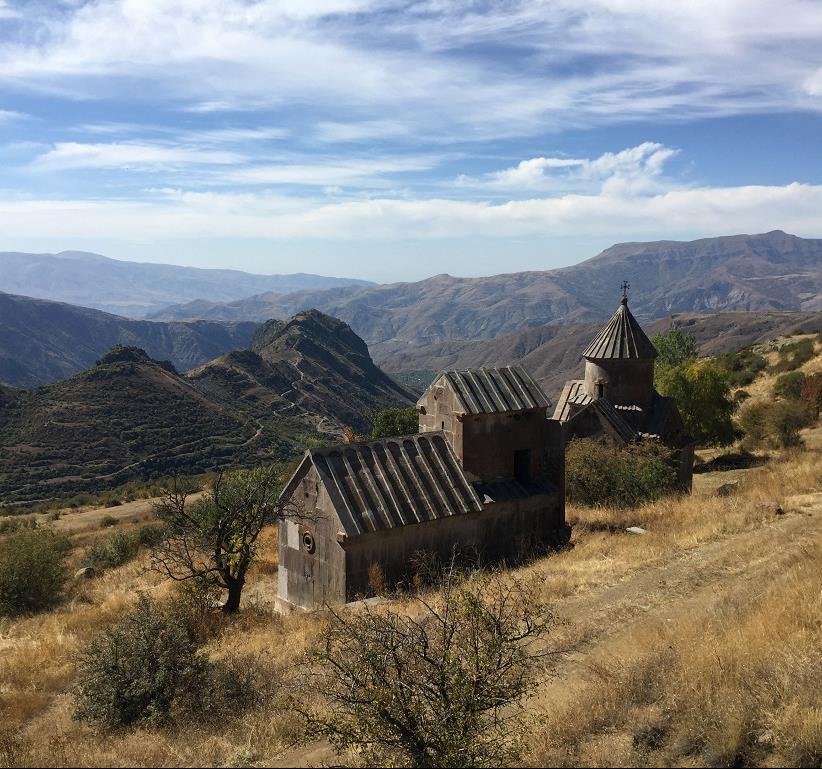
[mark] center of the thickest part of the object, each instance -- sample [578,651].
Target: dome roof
[622,337]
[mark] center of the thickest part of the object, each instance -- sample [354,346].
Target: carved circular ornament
[308,542]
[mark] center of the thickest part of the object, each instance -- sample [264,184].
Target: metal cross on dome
[625,286]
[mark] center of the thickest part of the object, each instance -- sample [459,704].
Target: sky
[392,140]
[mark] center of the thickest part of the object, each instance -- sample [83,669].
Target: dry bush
[440,685]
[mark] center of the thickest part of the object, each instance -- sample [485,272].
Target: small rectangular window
[522,465]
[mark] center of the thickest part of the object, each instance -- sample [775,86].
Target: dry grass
[604,553]
[736,686]
[659,676]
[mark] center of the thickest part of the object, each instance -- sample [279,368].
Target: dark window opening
[443,425]
[600,390]
[522,465]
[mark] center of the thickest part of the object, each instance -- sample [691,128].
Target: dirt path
[73,521]
[688,584]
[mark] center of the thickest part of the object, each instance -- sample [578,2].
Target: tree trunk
[235,589]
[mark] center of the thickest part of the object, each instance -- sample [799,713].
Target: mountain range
[135,289]
[43,341]
[768,272]
[130,416]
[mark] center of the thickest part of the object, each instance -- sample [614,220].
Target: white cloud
[447,69]
[332,132]
[330,171]
[175,215]
[7,115]
[72,155]
[636,170]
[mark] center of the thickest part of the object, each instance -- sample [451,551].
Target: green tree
[214,540]
[674,347]
[438,684]
[702,392]
[393,422]
[32,570]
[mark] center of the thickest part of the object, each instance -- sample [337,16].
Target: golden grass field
[697,643]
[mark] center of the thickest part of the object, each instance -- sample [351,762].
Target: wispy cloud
[74,155]
[331,172]
[509,68]
[7,115]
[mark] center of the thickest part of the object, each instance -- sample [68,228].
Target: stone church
[617,400]
[485,476]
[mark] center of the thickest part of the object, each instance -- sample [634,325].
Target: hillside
[768,272]
[696,644]
[133,417]
[310,362]
[553,353]
[43,341]
[135,289]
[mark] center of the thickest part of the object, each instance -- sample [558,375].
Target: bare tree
[214,539]
[438,685]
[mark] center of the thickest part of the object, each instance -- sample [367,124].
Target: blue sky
[393,140]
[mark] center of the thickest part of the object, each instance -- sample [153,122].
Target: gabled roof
[620,428]
[391,483]
[622,337]
[494,390]
[572,395]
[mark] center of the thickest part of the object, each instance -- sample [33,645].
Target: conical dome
[622,337]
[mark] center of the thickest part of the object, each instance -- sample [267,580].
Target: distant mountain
[135,289]
[773,271]
[43,341]
[130,416]
[553,353]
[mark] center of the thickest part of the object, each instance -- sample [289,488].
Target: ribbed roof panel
[496,390]
[394,482]
[622,337]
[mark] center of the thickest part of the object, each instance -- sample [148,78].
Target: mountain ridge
[131,416]
[135,289]
[43,341]
[767,272]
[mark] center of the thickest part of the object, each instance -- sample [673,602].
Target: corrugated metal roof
[495,390]
[618,424]
[622,337]
[393,482]
[572,395]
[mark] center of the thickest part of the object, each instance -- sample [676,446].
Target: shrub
[107,521]
[133,672]
[741,366]
[32,570]
[789,385]
[393,422]
[753,419]
[148,536]
[785,420]
[739,397]
[438,687]
[794,354]
[600,474]
[113,551]
[812,393]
